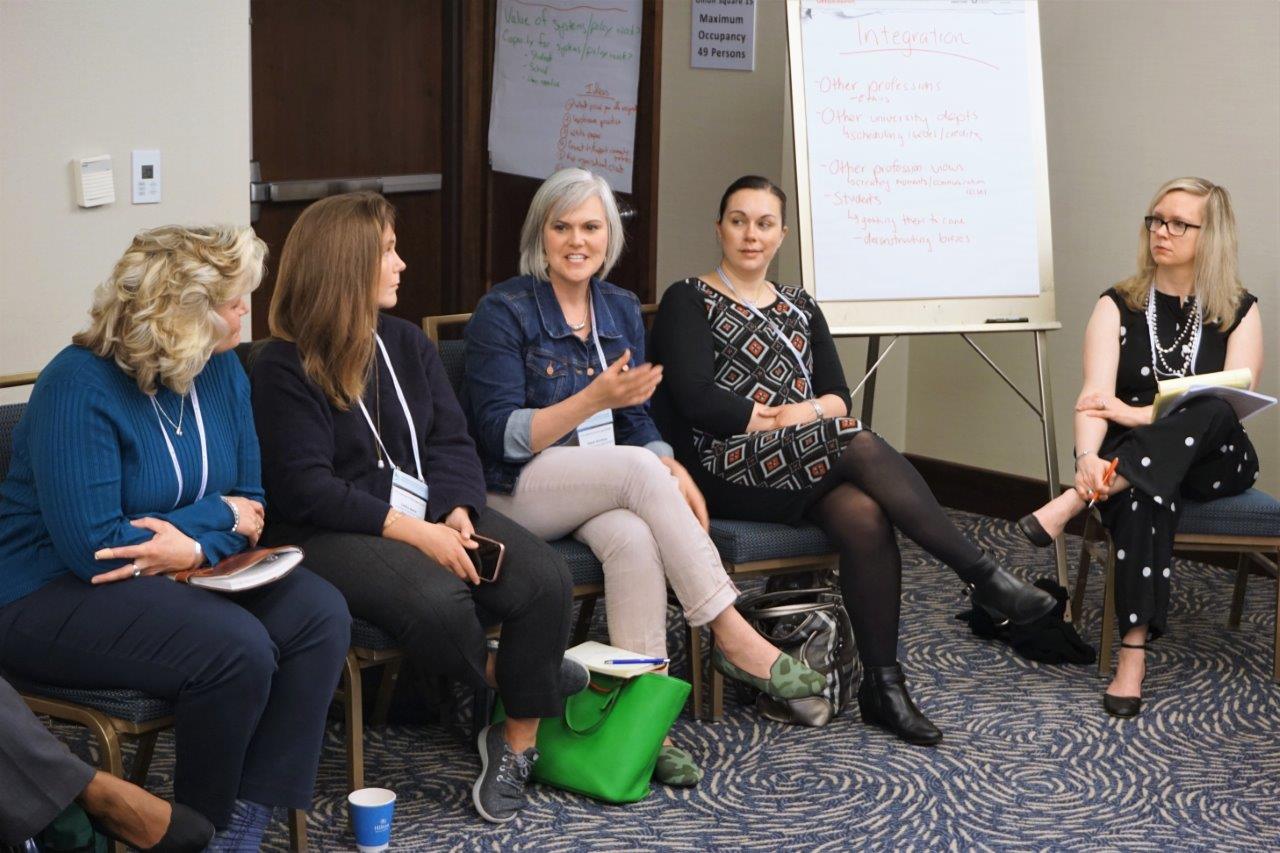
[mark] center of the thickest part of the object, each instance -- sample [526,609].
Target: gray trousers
[39,777]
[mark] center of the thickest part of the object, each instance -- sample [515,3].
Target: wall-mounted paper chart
[565,81]
[924,164]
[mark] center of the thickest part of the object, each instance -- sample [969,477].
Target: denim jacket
[522,356]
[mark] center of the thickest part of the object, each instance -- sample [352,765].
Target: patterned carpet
[1030,760]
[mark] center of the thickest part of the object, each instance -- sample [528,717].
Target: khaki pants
[624,505]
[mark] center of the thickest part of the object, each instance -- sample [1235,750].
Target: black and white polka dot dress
[1200,451]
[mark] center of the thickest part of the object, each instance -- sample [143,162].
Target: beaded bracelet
[235,513]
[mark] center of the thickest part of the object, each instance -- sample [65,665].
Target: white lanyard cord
[404,405]
[1190,366]
[595,338]
[173,454]
[804,370]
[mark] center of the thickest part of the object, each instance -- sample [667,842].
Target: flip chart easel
[922,179]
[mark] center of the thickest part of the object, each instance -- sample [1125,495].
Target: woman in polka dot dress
[1184,313]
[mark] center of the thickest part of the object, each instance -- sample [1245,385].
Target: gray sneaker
[498,793]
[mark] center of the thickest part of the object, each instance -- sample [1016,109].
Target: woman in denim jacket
[556,391]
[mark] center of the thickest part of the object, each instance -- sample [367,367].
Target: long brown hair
[325,299]
[1217,286]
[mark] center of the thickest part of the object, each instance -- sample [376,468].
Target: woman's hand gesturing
[621,386]
[169,550]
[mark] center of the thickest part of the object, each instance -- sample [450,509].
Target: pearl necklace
[1186,342]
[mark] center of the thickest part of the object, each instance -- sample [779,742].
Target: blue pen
[637,661]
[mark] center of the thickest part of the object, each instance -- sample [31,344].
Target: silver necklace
[764,288]
[578,327]
[182,411]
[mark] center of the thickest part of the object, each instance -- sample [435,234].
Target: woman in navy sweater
[368,463]
[136,457]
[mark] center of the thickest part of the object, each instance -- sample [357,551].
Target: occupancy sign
[724,35]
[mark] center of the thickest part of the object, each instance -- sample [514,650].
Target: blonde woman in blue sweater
[137,457]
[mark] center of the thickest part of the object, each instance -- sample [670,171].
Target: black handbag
[812,626]
[1048,639]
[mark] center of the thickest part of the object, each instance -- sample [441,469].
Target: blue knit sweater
[89,456]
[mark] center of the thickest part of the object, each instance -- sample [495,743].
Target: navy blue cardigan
[319,464]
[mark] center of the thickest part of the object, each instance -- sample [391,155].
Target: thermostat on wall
[94,182]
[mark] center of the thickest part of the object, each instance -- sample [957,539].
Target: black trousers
[251,674]
[1198,452]
[440,619]
[39,776]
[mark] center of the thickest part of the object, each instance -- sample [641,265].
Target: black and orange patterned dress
[720,358]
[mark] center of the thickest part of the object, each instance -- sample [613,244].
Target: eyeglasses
[1176,226]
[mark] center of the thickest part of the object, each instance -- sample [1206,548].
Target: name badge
[597,430]
[408,494]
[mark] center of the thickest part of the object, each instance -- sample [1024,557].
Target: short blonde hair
[1217,286]
[156,315]
[564,191]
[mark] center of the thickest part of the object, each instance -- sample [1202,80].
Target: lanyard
[595,339]
[173,454]
[1190,366]
[804,370]
[404,405]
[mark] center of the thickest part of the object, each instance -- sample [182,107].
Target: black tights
[872,490]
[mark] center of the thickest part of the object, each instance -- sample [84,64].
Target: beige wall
[1135,93]
[80,78]
[716,126]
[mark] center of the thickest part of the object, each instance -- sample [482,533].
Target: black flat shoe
[1034,531]
[1004,595]
[884,702]
[1123,706]
[188,832]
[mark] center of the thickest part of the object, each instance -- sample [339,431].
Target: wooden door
[351,88]
[356,88]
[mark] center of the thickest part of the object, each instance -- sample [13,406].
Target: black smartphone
[487,558]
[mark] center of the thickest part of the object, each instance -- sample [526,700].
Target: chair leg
[582,627]
[142,758]
[695,668]
[382,705]
[1275,649]
[1108,610]
[353,708]
[1237,595]
[1082,573]
[298,830]
[717,688]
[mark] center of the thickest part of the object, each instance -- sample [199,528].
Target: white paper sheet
[565,80]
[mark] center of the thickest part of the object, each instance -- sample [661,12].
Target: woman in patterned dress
[1184,313]
[755,403]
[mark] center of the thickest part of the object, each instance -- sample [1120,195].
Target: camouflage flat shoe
[676,768]
[788,678]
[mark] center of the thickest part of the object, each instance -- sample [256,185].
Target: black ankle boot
[1005,596]
[884,702]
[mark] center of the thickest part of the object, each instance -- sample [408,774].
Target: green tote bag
[606,743]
